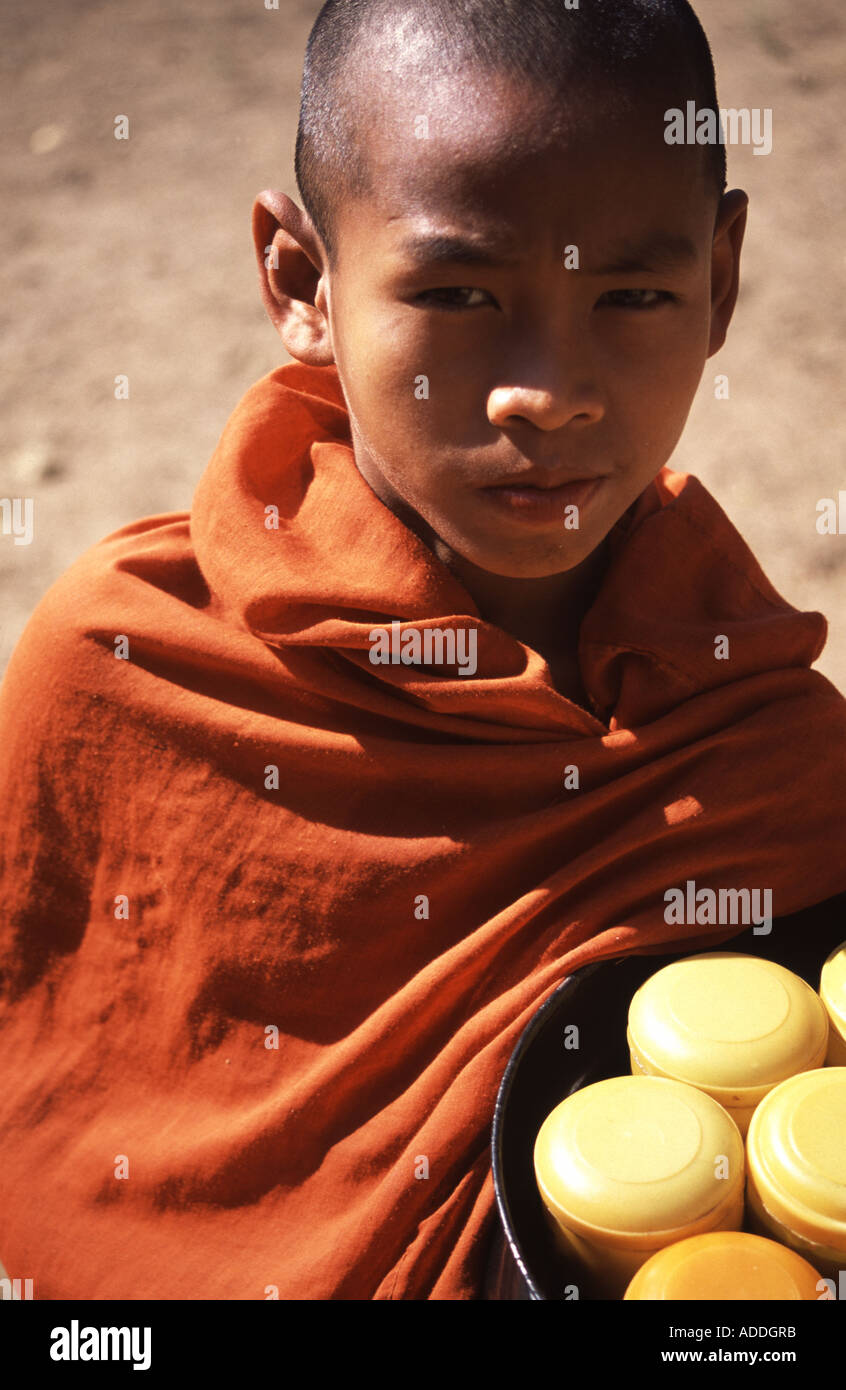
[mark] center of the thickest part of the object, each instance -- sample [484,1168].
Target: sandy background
[134,256]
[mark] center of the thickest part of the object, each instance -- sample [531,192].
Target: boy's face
[462,372]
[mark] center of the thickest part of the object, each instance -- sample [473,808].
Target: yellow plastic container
[726,1266]
[730,1024]
[833,995]
[796,1167]
[630,1164]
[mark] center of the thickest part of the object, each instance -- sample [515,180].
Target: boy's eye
[636,299]
[454,297]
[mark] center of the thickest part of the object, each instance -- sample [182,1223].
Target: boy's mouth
[542,502]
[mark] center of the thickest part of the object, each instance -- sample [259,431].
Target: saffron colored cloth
[390,907]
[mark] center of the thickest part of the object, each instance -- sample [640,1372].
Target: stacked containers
[796,1150]
[628,1175]
[732,1025]
[634,1163]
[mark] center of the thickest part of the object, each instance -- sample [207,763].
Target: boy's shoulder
[685,592]
[128,577]
[66,695]
[135,581]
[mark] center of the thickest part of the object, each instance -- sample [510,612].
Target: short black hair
[621,43]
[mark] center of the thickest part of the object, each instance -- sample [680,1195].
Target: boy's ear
[725,264]
[290,262]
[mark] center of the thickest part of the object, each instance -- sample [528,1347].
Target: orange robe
[392,906]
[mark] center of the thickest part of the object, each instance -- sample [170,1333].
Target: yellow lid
[796,1153]
[637,1155]
[833,986]
[728,1022]
[725,1266]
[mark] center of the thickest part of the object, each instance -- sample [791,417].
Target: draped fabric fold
[272,916]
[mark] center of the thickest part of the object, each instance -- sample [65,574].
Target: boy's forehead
[562,165]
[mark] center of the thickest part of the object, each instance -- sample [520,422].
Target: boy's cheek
[404,392]
[666,379]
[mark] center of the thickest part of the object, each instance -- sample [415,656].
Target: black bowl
[524,1262]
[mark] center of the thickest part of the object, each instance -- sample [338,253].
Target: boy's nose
[548,408]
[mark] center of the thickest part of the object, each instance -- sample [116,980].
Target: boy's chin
[540,564]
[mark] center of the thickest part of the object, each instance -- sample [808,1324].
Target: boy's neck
[545,614]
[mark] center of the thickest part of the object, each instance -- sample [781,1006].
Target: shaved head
[365,54]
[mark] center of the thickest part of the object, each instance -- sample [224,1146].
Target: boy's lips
[542,504]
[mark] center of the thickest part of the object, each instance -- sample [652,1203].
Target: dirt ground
[134,257]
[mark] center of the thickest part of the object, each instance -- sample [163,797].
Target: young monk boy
[315,794]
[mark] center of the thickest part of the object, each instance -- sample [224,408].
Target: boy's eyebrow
[660,251]
[435,248]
